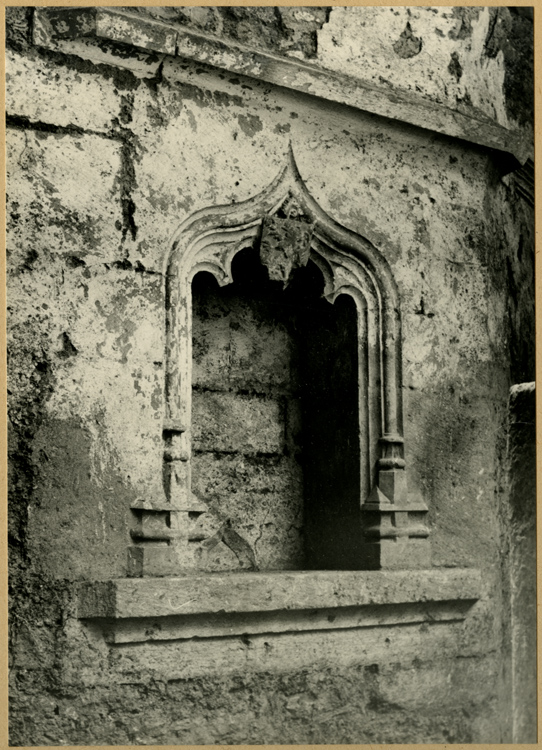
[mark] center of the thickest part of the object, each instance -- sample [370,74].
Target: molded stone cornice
[277,590]
[53,25]
[204,606]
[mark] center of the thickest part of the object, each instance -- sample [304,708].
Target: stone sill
[53,27]
[218,604]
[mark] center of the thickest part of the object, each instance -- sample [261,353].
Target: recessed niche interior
[275,422]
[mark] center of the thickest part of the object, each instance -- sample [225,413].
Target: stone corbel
[285,242]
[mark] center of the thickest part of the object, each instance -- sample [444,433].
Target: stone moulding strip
[275,591]
[52,25]
[216,625]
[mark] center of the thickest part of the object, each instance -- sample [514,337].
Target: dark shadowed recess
[323,377]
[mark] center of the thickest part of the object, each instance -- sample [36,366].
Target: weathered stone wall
[477,60]
[106,157]
[244,405]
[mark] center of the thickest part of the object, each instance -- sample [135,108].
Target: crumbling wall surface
[283,30]
[471,59]
[244,402]
[359,686]
[475,60]
[106,157]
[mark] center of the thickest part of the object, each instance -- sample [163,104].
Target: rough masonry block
[233,423]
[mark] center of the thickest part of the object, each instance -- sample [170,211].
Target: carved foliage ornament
[285,245]
[291,230]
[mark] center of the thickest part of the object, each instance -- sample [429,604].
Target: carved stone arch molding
[290,229]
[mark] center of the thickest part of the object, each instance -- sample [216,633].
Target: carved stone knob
[285,245]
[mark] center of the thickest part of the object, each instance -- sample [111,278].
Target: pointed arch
[390,522]
[210,239]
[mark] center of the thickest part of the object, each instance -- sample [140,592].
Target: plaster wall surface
[475,60]
[95,195]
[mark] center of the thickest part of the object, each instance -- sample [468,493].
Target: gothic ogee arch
[291,229]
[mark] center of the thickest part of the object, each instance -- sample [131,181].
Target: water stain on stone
[68,349]
[282,128]
[408,45]
[454,67]
[465,17]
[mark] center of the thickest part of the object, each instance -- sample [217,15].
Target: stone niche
[275,429]
[283,445]
[285,503]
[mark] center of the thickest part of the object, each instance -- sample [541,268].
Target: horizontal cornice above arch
[53,27]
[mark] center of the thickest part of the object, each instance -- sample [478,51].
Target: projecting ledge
[227,604]
[54,27]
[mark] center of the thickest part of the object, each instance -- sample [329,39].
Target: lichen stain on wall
[465,58]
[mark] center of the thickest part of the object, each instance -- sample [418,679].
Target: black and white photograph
[270,375]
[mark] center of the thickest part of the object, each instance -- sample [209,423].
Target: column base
[155,560]
[401,553]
